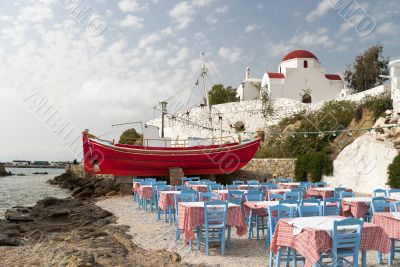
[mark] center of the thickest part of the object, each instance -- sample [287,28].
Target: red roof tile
[333,77]
[299,54]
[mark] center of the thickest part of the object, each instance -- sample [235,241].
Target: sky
[69,65]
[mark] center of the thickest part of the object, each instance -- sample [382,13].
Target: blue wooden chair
[395,206]
[238,182]
[189,196]
[255,219]
[312,201]
[288,201]
[379,192]
[293,195]
[275,197]
[253,182]
[339,190]
[309,211]
[168,214]
[208,196]
[346,238]
[347,194]
[194,182]
[391,192]
[185,179]
[214,228]
[150,179]
[232,187]
[212,187]
[235,197]
[271,186]
[331,206]
[182,187]
[321,184]
[275,214]
[378,204]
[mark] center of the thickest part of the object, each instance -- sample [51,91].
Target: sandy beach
[149,234]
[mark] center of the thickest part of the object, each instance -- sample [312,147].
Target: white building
[395,84]
[299,77]
[249,89]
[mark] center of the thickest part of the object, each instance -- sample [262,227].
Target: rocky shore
[71,232]
[3,171]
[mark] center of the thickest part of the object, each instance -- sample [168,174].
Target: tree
[130,137]
[219,94]
[364,72]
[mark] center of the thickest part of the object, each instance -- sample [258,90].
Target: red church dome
[299,54]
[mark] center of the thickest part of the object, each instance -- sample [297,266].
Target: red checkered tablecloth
[199,187]
[311,242]
[355,208]
[167,199]
[324,192]
[288,185]
[191,214]
[145,191]
[388,222]
[246,186]
[224,193]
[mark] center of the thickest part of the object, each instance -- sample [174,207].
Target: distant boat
[103,157]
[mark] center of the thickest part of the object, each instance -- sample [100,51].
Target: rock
[388,112]
[40,173]
[86,193]
[3,171]
[6,240]
[112,193]
[393,121]
[60,213]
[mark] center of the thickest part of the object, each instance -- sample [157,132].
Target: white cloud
[181,55]
[183,12]
[222,9]
[211,20]
[154,37]
[321,9]
[35,13]
[230,54]
[131,6]
[387,28]
[251,27]
[132,22]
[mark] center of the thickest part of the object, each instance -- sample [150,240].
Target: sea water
[27,190]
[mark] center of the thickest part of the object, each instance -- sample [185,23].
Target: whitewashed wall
[250,112]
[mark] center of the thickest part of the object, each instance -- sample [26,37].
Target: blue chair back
[339,190]
[215,212]
[150,179]
[394,206]
[209,196]
[379,192]
[288,201]
[147,183]
[347,194]
[293,196]
[137,180]
[309,211]
[253,182]
[194,182]
[313,201]
[185,179]
[271,186]
[182,187]
[321,184]
[212,187]
[331,206]
[278,180]
[189,195]
[232,186]
[346,240]
[235,197]
[238,182]
[275,197]
[254,195]
[379,204]
[275,213]
[393,191]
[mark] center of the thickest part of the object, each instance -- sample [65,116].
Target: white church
[300,78]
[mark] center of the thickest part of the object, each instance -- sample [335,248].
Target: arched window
[305,64]
[306,98]
[280,70]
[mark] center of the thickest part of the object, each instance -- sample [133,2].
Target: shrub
[378,104]
[313,165]
[394,173]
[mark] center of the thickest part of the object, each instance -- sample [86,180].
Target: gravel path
[149,234]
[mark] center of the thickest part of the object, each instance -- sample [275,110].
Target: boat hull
[102,158]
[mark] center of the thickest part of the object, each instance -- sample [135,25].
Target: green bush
[378,104]
[313,165]
[394,173]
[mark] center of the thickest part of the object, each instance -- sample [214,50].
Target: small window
[305,64]
[280,70]
[306,98]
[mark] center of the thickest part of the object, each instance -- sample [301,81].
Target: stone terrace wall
[269,168]
[78,171]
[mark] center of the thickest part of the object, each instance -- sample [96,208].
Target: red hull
[143,161]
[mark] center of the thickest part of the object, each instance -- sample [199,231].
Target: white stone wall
[250,112]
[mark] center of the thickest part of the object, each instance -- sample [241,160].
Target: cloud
[387,28]
[183,12]
[222,9]
[35,13]
[181,55]
[131,6]
[152,38]
[321,9]
[230,54]
[251,27]
[211,20]
[132,22]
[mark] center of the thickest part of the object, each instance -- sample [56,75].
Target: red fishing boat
[103,157]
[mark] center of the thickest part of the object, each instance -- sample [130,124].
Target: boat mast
[203,76]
